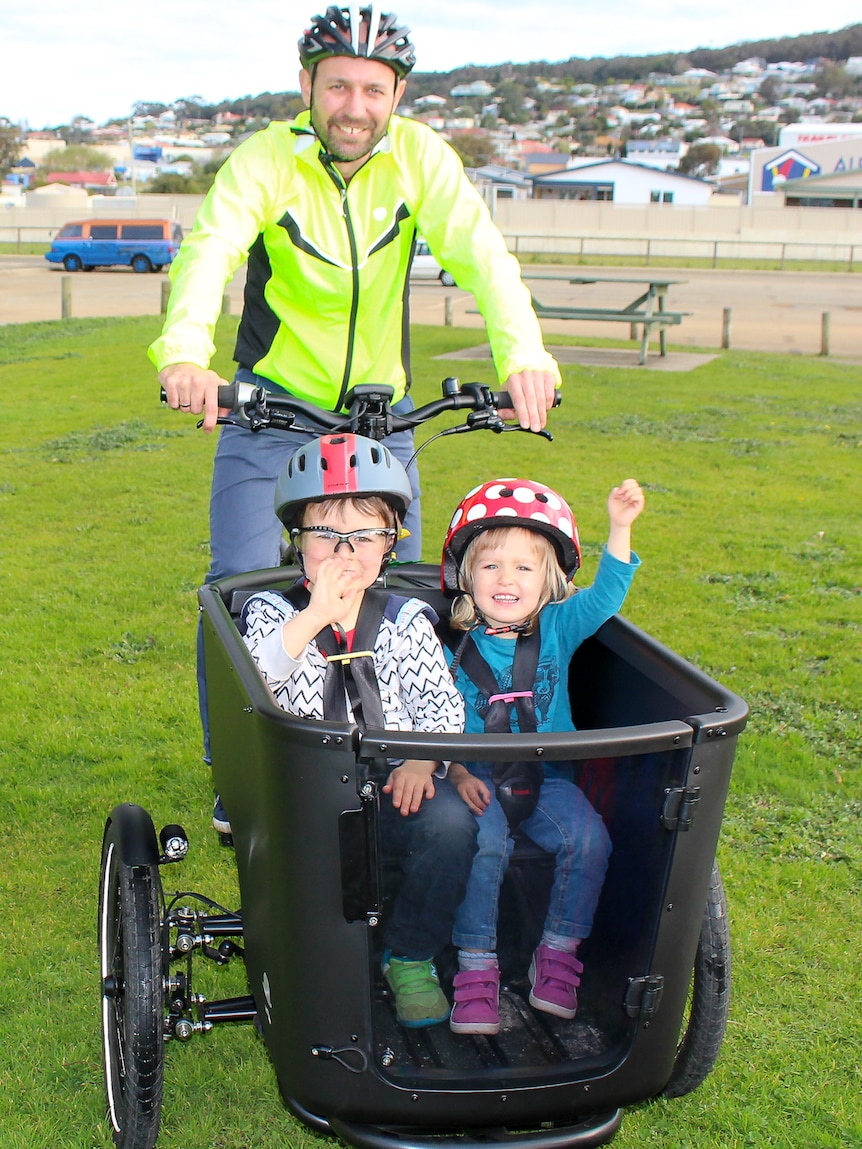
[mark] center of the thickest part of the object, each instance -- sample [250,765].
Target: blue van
[142,244]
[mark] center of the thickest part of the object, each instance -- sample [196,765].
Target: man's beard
[338,151]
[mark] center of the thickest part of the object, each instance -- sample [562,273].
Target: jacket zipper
[354,303]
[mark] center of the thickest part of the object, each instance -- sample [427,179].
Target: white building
[477,88]
[661,153]
[772,168]
[622,181]
[819,132]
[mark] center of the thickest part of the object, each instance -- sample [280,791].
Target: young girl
[511,551]
[343,499]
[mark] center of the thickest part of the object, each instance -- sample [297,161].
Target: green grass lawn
[750,543]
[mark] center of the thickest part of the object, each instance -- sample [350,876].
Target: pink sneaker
[477,1001]
[554,977]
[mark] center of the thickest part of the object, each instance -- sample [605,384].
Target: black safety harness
[516,784]
[350,673]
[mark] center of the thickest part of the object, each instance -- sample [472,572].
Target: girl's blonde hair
[557,587]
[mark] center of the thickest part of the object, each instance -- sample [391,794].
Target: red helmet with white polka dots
[510,503]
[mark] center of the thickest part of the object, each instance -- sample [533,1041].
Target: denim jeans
[245,533]
[435,848]
[565,825]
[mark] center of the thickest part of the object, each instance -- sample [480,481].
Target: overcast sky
[62,59]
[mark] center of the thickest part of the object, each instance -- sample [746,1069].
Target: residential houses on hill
[634,142]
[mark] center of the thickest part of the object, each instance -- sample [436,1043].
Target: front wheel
[141,264]
[131,968]
[708,1003]
[447,278]
[72,262]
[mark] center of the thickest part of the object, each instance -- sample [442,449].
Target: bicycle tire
[131,968]
[708,1004]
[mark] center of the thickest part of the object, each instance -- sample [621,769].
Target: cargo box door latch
[679,805]
[643,996]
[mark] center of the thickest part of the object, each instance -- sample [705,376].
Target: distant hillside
[836,46]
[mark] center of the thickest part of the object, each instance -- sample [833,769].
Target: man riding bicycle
[326,210]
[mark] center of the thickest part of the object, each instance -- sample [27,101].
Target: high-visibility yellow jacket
[326,304]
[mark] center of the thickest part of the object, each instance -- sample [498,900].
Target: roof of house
[834,185]
[95,179]
[576,174]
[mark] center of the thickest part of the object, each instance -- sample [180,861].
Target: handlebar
[369,412]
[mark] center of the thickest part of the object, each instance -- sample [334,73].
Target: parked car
[425,266]
[142,244]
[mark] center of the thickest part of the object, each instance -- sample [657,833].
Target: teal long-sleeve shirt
[563,627]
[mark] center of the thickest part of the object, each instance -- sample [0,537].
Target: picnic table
[647,310]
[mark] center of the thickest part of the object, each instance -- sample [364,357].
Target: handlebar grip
[228,395]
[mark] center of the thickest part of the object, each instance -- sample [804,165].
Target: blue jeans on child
[434,848]
[245,533]
[565,825]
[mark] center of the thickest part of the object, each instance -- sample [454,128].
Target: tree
[700,160]
[198,182]
[76,158]
[475,148]
[10,145]
[771,90]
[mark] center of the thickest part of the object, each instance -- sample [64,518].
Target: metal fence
[654,249]
[644,249]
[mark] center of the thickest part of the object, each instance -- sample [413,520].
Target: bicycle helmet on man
[358,31]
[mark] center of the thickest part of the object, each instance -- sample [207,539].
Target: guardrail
[19,234]
[649,249]
[655,248]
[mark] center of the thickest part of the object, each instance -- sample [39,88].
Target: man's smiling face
[351,100]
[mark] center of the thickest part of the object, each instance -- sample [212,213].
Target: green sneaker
[419,1000]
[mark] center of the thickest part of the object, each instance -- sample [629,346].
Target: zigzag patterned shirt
[416,688]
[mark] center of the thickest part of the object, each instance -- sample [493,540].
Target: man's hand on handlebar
[194,391]
[532,394]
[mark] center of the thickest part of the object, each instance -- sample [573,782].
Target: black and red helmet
[340,466]
[510,503]
[358,31]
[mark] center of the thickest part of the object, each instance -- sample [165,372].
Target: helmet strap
[510,628]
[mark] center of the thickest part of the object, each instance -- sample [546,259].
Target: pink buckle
[511,696]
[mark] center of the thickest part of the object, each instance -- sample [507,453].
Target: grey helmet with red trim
[340,466]
[358,31]
[510,503]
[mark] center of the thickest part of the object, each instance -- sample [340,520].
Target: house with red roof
[98,181]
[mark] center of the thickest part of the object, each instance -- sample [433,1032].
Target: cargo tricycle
[653,752]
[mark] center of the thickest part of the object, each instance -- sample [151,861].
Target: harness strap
[517,784]
[524,668]
[350,674]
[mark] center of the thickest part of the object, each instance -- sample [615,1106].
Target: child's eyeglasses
[324,538]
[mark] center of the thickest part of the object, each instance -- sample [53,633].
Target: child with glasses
[342,499]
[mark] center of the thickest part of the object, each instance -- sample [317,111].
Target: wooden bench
[646,318]
[646,311]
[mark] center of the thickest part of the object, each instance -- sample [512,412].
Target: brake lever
[544,433]
[490,420]
[241,419]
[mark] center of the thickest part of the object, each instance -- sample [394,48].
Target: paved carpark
[770,310]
